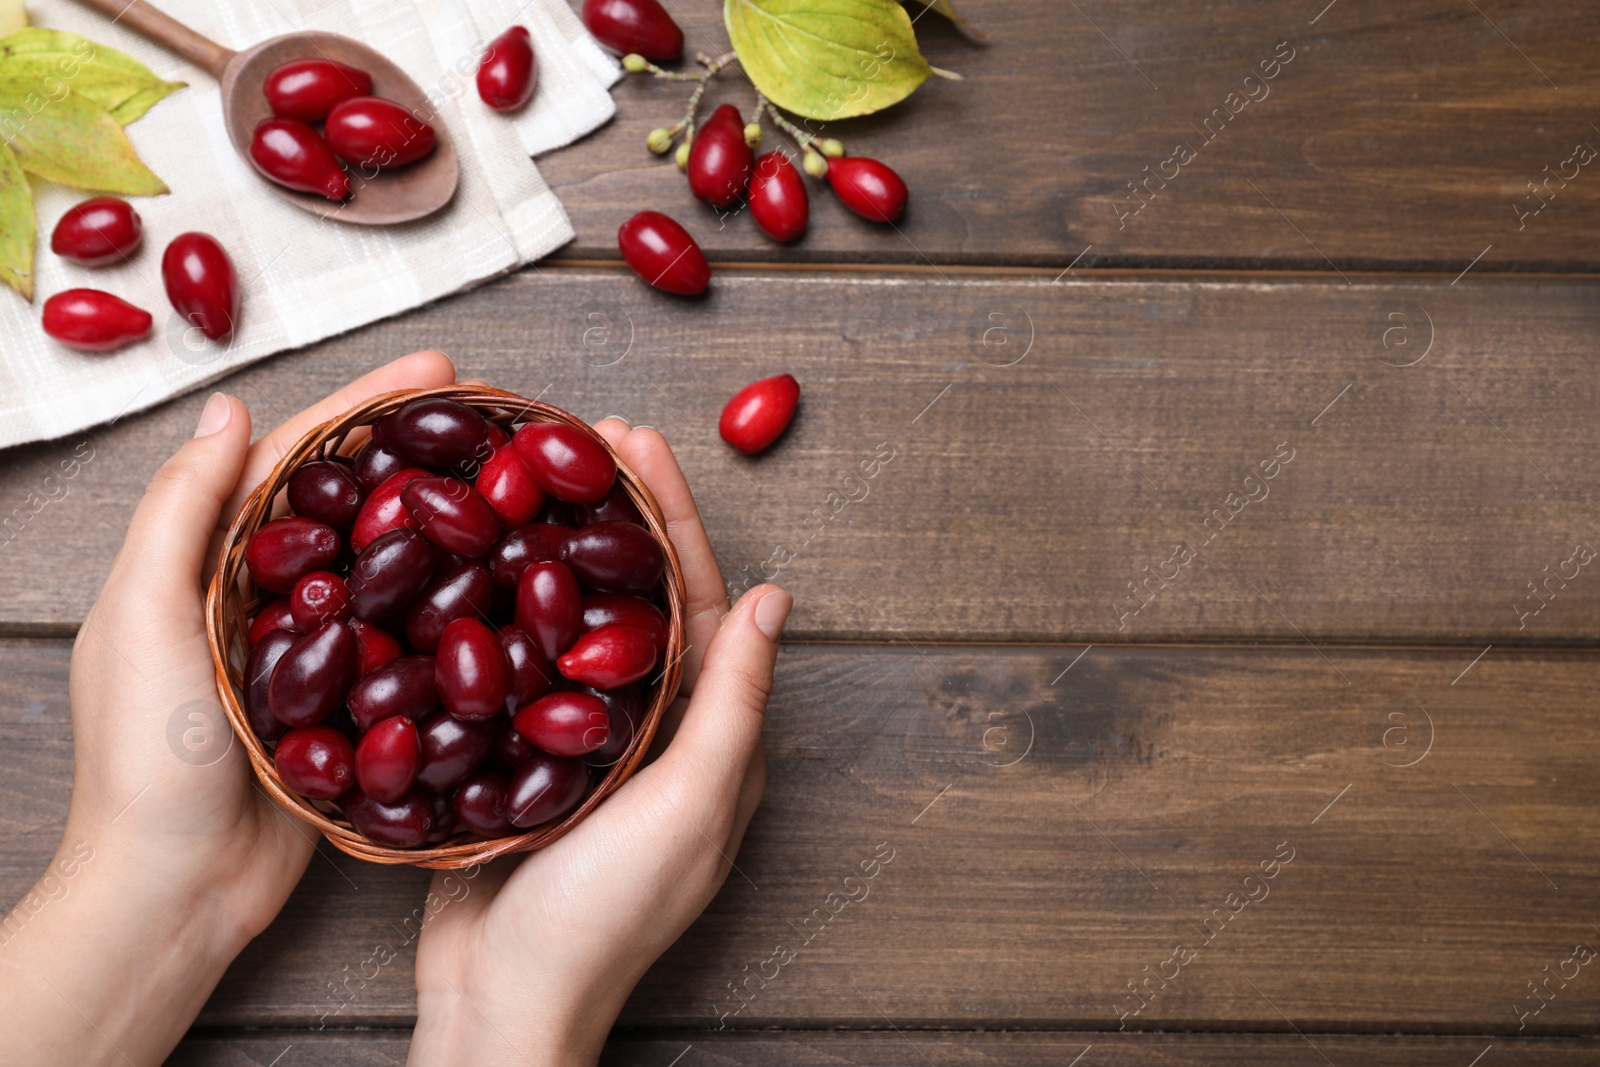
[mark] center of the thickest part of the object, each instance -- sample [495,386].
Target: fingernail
[772,611]
[620,419]
[216,415]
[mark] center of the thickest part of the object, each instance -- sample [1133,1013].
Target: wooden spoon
[399,195]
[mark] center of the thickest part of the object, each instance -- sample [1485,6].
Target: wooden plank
[1022,502]
[884,1049]
[1396,136]
[1057,825]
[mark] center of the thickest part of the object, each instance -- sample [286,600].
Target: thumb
[721,729]
[172,527]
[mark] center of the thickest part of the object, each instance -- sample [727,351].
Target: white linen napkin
[303,279]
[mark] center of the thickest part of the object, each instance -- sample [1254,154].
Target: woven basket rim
[232,593]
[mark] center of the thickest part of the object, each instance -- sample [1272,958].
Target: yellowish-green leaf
[13,16]
[948,10]
[16,225]
[71,140]
[827,59]
[54,58]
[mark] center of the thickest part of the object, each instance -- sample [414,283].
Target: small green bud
[831,147]
[634,63]
[682,156]
[815,165]
[752,135]
[659,141]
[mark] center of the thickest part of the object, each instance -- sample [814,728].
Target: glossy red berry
[435,431]
[453,748]
[480,803]
[759,413]
[316,761]
[98,232]
[614,557]
[507,484]
[549,607]
[452,515]
[388,758]
[404,686]
[287,549]
[390,573]
[604,609]
[311,679]
[384,510]
[460,592]
[538,542]
[719,159]
[374,133]
[565,724]
[545,787]
[202,284]
[406,823]
[641,26]
[375,646]
[615,506]
[867,187]
[328,492]
[258,670]
[307,89]
[292,154]
[566,462]
[274,616]
[610,656]
[92,321]
[471,670]
[662,253]
[625,709]
[531,674]
[317,598]
[508,73]
[778,198]
[377,463]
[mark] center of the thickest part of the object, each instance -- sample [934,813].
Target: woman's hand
[532,959]
[173,858]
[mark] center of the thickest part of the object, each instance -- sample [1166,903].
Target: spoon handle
[168,31]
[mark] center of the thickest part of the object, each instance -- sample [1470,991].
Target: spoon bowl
[402,194]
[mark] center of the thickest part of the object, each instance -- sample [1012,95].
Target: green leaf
[947,9]
[117,82]
[16,225]
[827,59]
[70,140]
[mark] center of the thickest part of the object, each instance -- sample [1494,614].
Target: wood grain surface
[919,1048]
[1014,460]
[1396,137]
[1006,838]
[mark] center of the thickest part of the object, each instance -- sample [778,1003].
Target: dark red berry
[285,550]
[719,159]
[377,463]
[403,686]
[292,154]
[435,431]
[202,284]
[98,232]
[374,133]
[565,724]
[567,463]
[453,748]
[317,598]
[759,413]
[867,187]
[404,824]
[465,591]
[328,492]
[471,670]
[662,253]
[389,574]
[605,609]
[778,198]
[480,803]
[92,321]
[545,787]
[452,515]
[641,26]
[445,822]
[316,761]
[615,506]
[274,616]
[614,557]
[625,707]
[610,656]
[538,542]
[375,646]
[307,89]
[388,758]
[531,674]
[311,679]
[549,607]
[508,72]
[258,676]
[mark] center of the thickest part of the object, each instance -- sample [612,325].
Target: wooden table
[1223,582]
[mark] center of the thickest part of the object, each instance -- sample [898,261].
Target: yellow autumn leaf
[16,225]
[71,141]
[13,16]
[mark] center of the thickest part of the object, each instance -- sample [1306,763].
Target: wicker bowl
[233,598]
